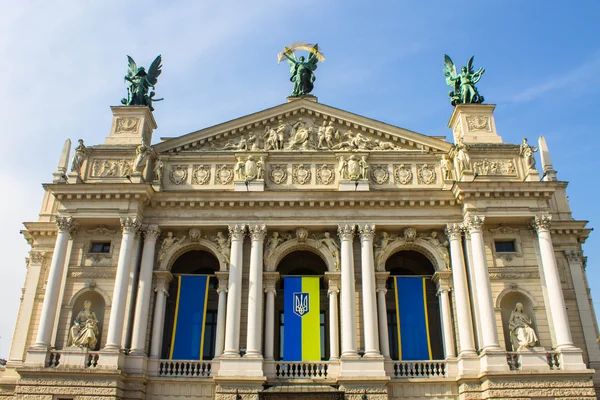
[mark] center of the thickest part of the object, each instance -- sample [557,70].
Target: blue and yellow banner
[190,317]
[411,314]
[301,319]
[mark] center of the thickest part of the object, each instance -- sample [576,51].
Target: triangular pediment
[303,125]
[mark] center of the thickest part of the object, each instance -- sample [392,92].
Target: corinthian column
[368,291]
[66,227]
[556,300]
[163,278]
[348,301]
[271,279]
[255,291]
[130,226]
[234,295]
[489,333]
[384,340]
[144,293]
[461,292]
[333,281]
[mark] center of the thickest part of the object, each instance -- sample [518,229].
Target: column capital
[223,278]
[367,231]
[381,281]
[269,281]
[574,256]
[474,223]
[66,224]
[257,232]
[151,232]
[541,223]
[237,231]
[443,279]
[454,231]
[130,224]
[346,232]
[333,280]
[36,257]
[163,278]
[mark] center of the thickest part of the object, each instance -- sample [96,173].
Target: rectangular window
[210,333]
[100,247]
[505,246]
[393,333]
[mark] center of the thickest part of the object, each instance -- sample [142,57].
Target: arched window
[194,262]
[302,263]
[409,263]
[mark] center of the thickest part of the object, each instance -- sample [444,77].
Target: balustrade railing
[553,360]
[178,368]
[53,359]
[512,358]
[419,369]
[301,370]
[92,360]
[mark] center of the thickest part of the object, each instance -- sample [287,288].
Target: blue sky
[63,63]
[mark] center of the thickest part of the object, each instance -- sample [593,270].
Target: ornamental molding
[101,230]
[92,272]
[508,273]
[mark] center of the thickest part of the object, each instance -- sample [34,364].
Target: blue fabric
[413,323]
[292,323]
[190,317]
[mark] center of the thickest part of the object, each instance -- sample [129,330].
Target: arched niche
[99,307]
[506,302]
[436,255]
[292,245]
[185,246]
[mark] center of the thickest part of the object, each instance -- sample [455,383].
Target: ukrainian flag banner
[190,316]
[301,319]
[411,315]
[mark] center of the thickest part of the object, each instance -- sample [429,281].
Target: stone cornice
[504,190]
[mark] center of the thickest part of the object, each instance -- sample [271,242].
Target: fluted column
[556,300]
[333,282]
[144,292]
[489,333]
[223,278]
[461,292]
[66,227]
[255,291]
[348,300]
[368,291]
[270,280]
[384,340]
[234,295]
[161,287]
[130,226]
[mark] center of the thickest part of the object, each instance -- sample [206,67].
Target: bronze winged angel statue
[302,70]
[463,84]
[139,82]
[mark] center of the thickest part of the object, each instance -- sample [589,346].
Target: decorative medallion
[301,235]
[426,174]
[224,174]
[200,174]
[478,123]
[300,174]
[410,234]
[278,174]
[127,124]
[403,174]
[194,235]
[178,174]
[380,174]
[325,174]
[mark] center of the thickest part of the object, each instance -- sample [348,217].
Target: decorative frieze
[494,167]
[514,273]
[478,123]
[127,125]
[111,168]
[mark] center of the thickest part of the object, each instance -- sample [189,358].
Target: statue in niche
[332,246]
[142,152]
[84,331]
[446,167]
[302,71]
[526,151]
[463,84]
[460,153]
[139,82]
[521,333]
[80,155]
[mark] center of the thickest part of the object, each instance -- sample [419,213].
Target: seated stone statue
[521,332]
[84,331]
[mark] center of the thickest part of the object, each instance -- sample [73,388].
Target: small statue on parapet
[463,84]
[302,71]
[139,82]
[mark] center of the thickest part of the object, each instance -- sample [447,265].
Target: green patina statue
[139,82]
[302,70]
[463,84]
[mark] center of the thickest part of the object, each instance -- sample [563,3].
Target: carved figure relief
[410,234]
[460,153]
[178,174]
[385,239]
[127,125]
[224,174]
[494,167]
[224,244]
[142,153]
[274,241]
[527,151]
[426,174]
[159,168]
[81,153]
[167,243]
[249,169]
[301,137]
[200,174]
[278,174]
[380,174]
[111,168]
[447,168]
[84,331]
[325,174]
[403,174]
[353,168]
[478,123]
[194,235]
[521,333]
[300,174]
[332,247]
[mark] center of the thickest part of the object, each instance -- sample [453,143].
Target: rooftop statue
[463,84]
[302,70]
[139,82]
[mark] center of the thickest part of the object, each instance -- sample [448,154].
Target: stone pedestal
[493,361]
[136,177]
[110,359]
[533,359]
[468,364]
[357,367]
[361,185]
[474,123]
[73,177]
[241,368]
[136,364]
[73,357]
[533,175]
[249,186]
[572,359]
[131,125]
[36,358]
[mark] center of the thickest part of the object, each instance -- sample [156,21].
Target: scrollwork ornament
[325,174]
[453,231]
[346,232]
[130,224]
[474,223]
[257,232]
[301,175]
[178,174]
[278,174]
[541,223]
[380,174]
[478,122]
[200,175]
[367,231]
[224,174]
[426,174]
[403,174]
[237,232]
